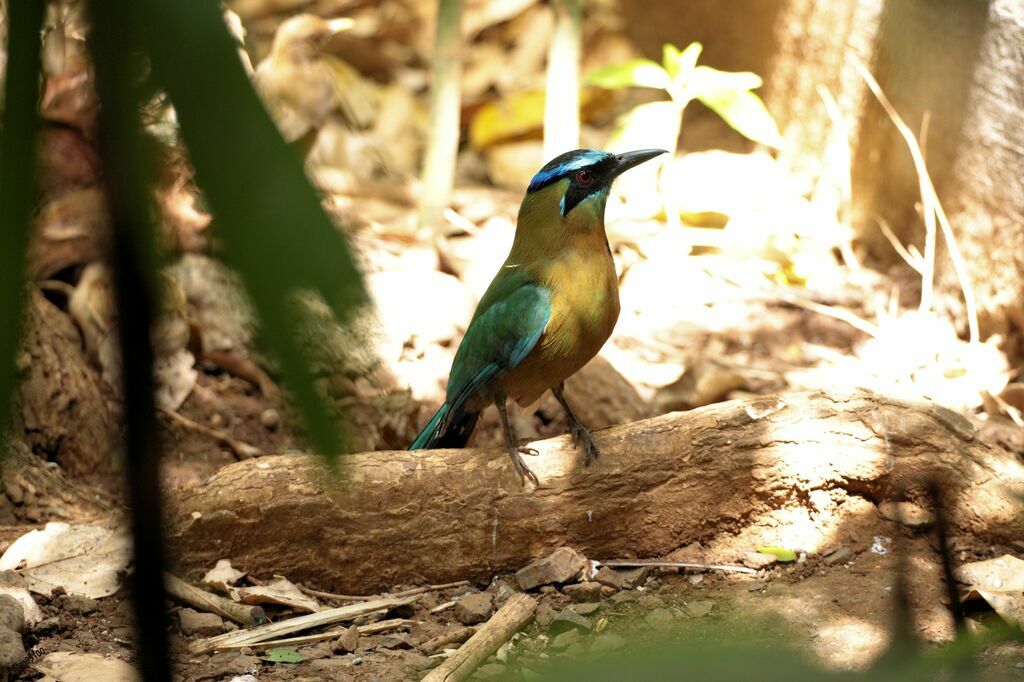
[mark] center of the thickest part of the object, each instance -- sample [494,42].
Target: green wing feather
[507,324]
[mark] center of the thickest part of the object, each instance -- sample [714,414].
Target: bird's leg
[579,432]
[513,447]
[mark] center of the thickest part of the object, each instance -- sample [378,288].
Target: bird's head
[581,179]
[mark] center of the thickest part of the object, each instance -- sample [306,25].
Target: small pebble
[839,555]
[270,419]
[660,620]
[586,608]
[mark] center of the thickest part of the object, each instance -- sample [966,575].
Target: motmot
[548,311]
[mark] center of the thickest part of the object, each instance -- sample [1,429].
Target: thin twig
[441,607]
[837,313]
[897,245]
[371,629]
[241,450]
[429,588]
[839,141]
[404,593]
[932,210]
[640,563]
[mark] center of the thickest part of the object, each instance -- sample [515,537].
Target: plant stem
[445,101]
[562,97]
[115,55]
[17,177]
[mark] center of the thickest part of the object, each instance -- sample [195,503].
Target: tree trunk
[64,413]
[445,97]
[659,484]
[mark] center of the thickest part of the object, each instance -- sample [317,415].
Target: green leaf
[274,231]
[19,123]
[653,125]
[746,113]
[781,553]
[283,655]
[680,64]
[669,58]
[634,72]
[705,79]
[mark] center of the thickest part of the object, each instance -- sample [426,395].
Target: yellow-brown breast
[579,271]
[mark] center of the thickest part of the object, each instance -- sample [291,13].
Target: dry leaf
[65,666]
[222,576]
[84,560]
[281,591]
[1000,582]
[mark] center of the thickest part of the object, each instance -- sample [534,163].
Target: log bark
[65,416]
[659,484]
[31,491]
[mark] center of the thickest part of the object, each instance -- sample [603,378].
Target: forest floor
[681,314]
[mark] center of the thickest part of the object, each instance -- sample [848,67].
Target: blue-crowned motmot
[549,309]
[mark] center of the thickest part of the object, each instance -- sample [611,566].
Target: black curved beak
[627,160]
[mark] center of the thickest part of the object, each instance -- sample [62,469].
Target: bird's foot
[520,466]
[582,437]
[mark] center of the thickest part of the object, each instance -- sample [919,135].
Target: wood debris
[270,631]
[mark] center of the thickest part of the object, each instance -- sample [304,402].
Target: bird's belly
[581,321]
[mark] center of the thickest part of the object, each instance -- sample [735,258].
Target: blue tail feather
[429,433]
[444,431]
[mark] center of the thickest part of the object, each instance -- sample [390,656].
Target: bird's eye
[584,177]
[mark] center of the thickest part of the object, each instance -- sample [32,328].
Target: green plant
[268,219]
[729,94]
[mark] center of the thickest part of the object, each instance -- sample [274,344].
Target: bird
[548,310]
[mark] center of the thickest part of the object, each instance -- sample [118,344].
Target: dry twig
[270,631]
[404,593]
[516,612]
[370,629]
[201,599]
[242,450]
[932,210]
[639,563]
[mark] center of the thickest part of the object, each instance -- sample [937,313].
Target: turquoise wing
[508,323]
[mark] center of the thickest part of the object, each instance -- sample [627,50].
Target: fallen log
[659,484]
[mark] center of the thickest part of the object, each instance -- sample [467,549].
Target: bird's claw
[580,436]
[519,465]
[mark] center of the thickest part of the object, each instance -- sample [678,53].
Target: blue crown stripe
[577,160]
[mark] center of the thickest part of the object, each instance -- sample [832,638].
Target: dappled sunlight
[849,642]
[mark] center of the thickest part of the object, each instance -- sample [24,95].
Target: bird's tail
[444,432]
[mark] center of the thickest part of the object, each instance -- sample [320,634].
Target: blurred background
[843,209]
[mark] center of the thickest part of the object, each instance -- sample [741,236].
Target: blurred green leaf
[274,230]
[649,125]
[680,64]
[17,177]
[746,113]
[705,79]
[634,72]
[283,655]
[669,55]
[781,553]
